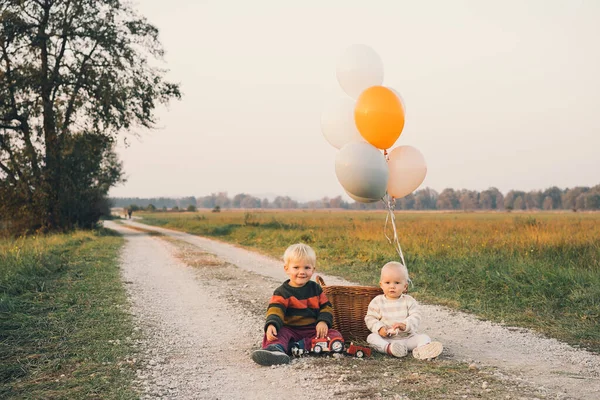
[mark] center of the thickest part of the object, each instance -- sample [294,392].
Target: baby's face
[393,283]
[299,271]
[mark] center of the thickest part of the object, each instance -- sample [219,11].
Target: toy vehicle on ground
[329,344]
[358,351]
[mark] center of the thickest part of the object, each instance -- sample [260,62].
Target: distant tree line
[153,202]
[554,198]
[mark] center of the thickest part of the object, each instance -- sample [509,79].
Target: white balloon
[397,93]
[407,170]
[361,199]
[337,123]
[362,170]
[358,68]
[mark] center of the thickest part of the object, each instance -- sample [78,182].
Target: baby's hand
[392,331]
[400,326]
[383,331]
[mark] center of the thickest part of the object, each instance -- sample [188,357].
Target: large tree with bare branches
[74,74]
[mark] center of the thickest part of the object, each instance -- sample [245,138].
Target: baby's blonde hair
[300,251]
[396,265]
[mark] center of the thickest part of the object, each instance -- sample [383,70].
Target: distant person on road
[298,311]
[129,212]
[394,318]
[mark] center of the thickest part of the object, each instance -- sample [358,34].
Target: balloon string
[390,217]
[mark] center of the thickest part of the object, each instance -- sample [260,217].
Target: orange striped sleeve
[323,299]
[275,299]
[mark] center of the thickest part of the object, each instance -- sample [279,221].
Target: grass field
[64,329]
[537,270]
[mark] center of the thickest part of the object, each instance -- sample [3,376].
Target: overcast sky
[497,93]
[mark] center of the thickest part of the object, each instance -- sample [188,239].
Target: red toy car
[330,344]
[358,351]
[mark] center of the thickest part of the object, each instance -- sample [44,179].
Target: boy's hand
[271,333]
[383,331]
[399,325]
[322,329]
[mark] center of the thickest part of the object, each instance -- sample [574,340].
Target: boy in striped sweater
[394,318]
[298,310]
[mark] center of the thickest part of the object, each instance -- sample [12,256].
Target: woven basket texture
[350,305]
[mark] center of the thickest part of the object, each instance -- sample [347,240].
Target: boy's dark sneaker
[272,355]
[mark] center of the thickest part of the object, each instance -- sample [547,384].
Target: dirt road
[202,323]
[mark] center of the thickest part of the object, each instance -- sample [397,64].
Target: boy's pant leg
[284,336]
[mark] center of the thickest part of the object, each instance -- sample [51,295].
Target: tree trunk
[52,173]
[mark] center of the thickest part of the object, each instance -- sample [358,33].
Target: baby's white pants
[411,342]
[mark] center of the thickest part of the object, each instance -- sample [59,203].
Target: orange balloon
[379,116]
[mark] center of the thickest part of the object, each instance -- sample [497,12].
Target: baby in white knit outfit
[394,318]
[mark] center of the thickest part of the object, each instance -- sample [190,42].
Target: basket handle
[320,280]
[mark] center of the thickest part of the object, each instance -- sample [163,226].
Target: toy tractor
[329,344]
[358,351]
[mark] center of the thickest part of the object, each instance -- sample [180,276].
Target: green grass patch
[64,328]
[538,270]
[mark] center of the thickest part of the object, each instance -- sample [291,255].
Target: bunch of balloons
[364,126]
[366,123]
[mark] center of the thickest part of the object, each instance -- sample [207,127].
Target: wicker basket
[350,305]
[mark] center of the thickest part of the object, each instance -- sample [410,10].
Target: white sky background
[498,93]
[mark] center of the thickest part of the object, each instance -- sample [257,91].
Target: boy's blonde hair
[300,251]
[396,265]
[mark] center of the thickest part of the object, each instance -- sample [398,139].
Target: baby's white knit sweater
[384,312]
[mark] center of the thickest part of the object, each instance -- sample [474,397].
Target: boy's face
[299,271]
[393,283]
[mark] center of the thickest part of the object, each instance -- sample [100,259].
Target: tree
[425,199]
[336,202]
[592,201]
[487,201]
[497,196]
[406,203]
[555,194]
[74,75]
[510,198]
[519,203]
[237,200]
[569,197]
[548,203]
[222,200]
[448,200]
[207,201]
[468,199]
[250,202]
[533,200]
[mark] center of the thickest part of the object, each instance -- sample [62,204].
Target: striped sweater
[298,306]
[385,312]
